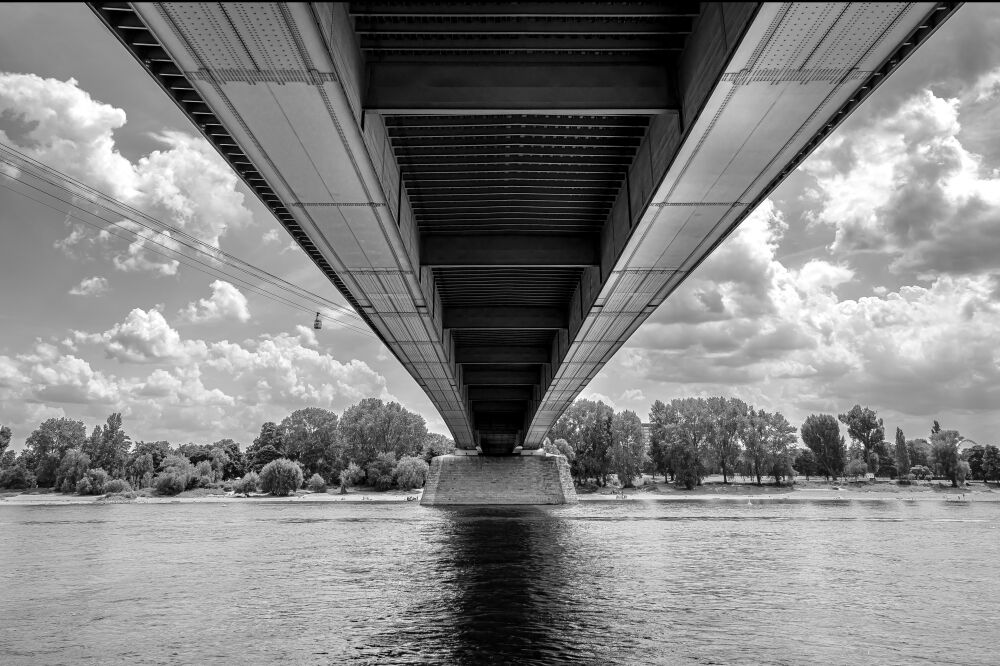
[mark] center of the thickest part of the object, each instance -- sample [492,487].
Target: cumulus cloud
[905,186]
[194,386]
[784,338]
[145,337]
[92,286]
[186,184]
[226,302]
[271,236]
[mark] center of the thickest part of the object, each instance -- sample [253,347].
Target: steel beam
[504,317]
[462,250]
[507,355]
[500,393]
[501,377]
[655,10]
[429,88]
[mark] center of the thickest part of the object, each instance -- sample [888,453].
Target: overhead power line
[128,223]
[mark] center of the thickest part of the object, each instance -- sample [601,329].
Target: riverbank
[803,491]
[203,496]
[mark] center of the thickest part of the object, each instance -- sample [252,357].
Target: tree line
[690,438]
[372,442]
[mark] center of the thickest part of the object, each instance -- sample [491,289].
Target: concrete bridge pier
[532,478]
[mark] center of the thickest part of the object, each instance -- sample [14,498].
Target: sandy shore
[218,497]
[739,493]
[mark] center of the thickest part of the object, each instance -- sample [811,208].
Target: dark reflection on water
[629,582]
[507,569]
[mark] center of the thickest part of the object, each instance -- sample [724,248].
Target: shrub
[181,471]
[280,477]
[170,483]
[83,487]
[856,468]
[66,487]
[410,472]
[17,477]
[248,484]
[117,486]
[204,475]
[98,477]
[317,484]
[920,472]
[380,471]
[352,475]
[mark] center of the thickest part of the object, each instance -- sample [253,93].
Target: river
[630,582]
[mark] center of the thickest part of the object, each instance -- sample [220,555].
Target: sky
[871,275]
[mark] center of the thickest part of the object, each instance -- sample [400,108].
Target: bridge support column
[535,479]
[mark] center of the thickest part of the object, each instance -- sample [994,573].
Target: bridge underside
[505,191]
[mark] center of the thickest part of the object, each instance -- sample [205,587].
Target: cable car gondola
[318,323]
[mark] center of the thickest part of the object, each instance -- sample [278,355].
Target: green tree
[108,446]
[756,447]
[176,475]
[974,456]
[410,472]
[628,452]
[821,433]
[267,446]
[865,429]
[140,470]
[5,435]
[380,471]
[919,451]
[352,475]
[944,450]
[805,462]
[47,444]
[780,437]
[72,468]
[17,476]
[689,427]
[936,428]
[902,456]
[435,445]
[659,447]
[856,467]
[310,436]
[587,426]
[280,477]
[991,463]
[157,451]
[234,465]
[372,427]
[729,418]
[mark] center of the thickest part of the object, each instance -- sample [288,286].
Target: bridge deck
[505,191]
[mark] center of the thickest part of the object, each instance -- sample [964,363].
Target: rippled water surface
[597,583]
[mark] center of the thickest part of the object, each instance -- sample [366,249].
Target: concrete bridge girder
[394,211]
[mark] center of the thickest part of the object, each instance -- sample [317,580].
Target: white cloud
[271,236]
[632,395]
[145,337]
[587,394]
[904,185]
[92,286]
[784,339]
[280,370]
[186,185]
[226,302]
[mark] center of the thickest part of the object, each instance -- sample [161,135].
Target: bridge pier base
[535,479]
